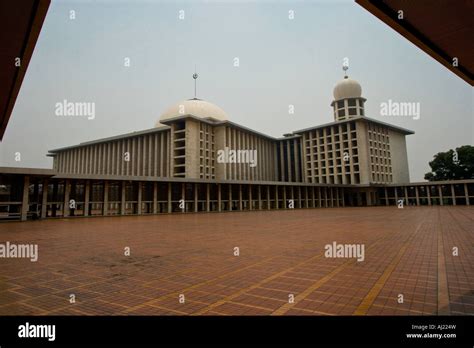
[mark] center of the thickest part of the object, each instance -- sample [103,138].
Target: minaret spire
[345,68]
[195,76]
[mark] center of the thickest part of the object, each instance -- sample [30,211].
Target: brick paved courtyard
[407,251]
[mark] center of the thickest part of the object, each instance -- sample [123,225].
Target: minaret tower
[348,102]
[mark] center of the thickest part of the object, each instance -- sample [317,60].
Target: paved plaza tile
[417,261]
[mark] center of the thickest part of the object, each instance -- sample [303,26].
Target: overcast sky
[282,62]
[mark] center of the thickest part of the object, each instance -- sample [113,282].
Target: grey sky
[282,62]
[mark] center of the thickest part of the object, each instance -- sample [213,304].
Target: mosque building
[197,159]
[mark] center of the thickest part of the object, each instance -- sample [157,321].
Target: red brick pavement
[185,264]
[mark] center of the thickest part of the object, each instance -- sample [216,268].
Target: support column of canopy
[196,198]
[306,197]
[466,194]
[169,198]
[268,197]
[54,207]
[250,197]
[67,191]
[183,197]
[139,198]
[25,198]
[300,205]
[277,202]
[453,195]
[105,206]
[123,195]
[240,197]
[292,196]
[87,193]
[44,199]
[36,196]
[155,196]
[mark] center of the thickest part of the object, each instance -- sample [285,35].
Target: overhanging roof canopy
[441,28]
[20,25]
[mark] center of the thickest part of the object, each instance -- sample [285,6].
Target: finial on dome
[345,67]
[195,76]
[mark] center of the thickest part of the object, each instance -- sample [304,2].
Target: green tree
[452,165]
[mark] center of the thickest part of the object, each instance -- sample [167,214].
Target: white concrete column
[169,198]
[466,194]
[25,198]
[428,194]
[440,192]
[306,197]
[139,199]
[277,203]
[196,198]
[268,197]
[67,192]
[87,192]
[155,195]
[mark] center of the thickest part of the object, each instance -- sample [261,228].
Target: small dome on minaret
[347,88]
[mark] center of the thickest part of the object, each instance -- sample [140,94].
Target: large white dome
[196,107]
[347,88]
